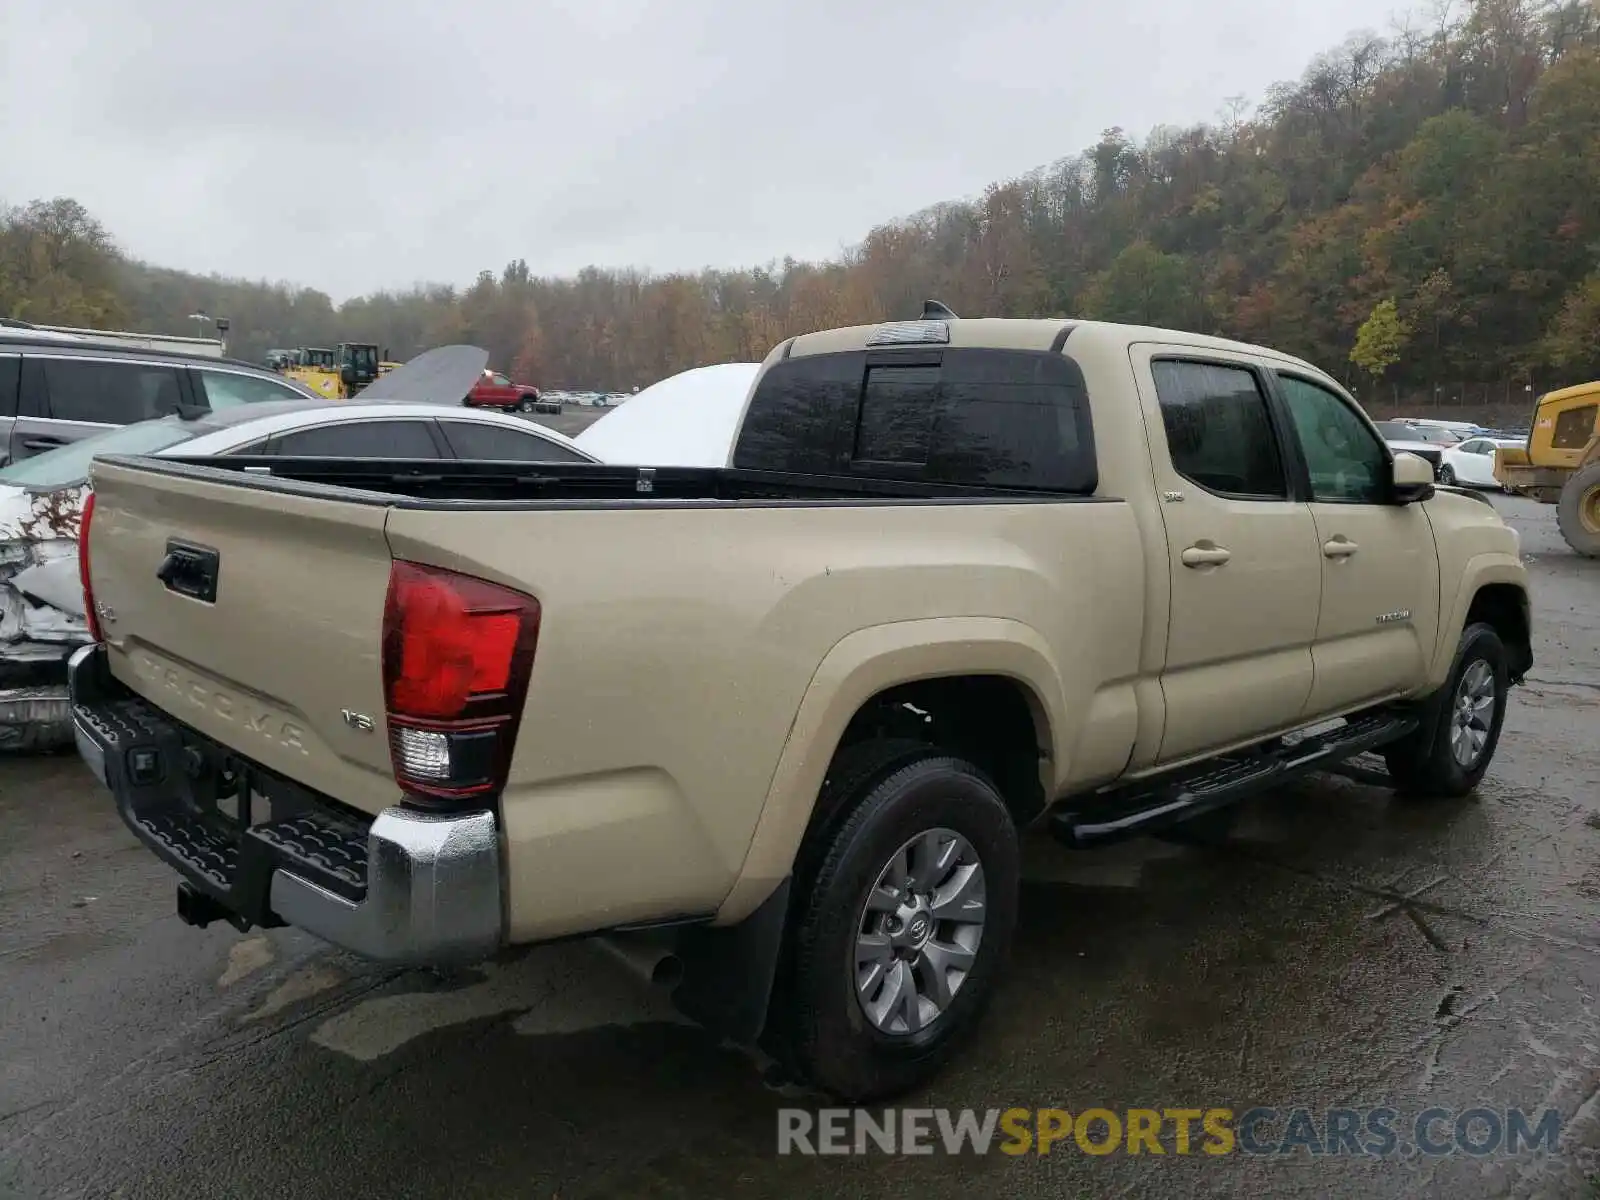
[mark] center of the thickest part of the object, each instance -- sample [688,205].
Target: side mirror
[1412,478]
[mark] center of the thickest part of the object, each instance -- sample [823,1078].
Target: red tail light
[90,617]
[457,655]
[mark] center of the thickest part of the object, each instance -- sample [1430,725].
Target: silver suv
[55,389]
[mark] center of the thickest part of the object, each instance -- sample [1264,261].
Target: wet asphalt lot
[1340,949]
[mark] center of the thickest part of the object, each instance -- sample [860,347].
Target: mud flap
[728,971]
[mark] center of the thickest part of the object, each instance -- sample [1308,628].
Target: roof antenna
[933,310]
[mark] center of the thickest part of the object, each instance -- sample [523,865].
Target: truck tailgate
[291,640]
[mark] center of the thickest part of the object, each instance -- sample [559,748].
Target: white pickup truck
[786,717]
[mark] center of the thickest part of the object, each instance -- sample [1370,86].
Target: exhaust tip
[668,972]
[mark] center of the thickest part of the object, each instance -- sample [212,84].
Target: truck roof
[1008,333]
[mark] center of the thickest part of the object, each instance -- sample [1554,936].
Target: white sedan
[1472,462]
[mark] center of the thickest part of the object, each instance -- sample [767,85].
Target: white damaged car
[41,500]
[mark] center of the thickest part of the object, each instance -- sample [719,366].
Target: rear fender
[859,667]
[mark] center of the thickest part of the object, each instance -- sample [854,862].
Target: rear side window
[969,417]
[109,393]
[10,372]
[361,439]
[492,443]
[1219,432]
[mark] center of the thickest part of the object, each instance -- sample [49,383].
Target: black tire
[832,1044]
[1578,511]
[1447,474]
[528,404]
[1429,767]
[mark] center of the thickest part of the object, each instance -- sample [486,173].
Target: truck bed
[431,482]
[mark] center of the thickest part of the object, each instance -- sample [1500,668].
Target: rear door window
[1219,430]
[361,439]
[109,393]
[801,418]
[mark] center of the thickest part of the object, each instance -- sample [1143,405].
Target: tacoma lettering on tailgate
[250,715]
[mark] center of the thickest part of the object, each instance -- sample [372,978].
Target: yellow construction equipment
[335,374]
[1561,463]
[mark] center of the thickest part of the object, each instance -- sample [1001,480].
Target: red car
[497,391]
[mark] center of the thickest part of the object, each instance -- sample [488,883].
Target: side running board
[1121,811]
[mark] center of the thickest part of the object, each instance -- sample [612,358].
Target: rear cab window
[969,417]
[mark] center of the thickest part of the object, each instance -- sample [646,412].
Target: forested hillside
[1427,202]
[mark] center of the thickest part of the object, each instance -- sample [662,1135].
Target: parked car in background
[1401,436]
[41,499]
[1461,429]
[1433,433]
[1472,462]
[55,389]
[495,390]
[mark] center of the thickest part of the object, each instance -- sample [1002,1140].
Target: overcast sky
[363,144]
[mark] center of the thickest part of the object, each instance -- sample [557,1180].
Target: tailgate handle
[190,571]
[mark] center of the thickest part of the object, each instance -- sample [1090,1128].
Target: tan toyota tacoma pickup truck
[786,718]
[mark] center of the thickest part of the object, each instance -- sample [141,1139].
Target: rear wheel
[1454,759]
[1578,510]
[907,916]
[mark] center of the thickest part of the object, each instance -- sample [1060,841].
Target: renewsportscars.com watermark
[1356,1132]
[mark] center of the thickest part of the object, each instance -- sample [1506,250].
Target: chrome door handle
[1338,547]
[1204,556]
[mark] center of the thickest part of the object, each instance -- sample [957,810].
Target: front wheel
[1454,759]
[903,928]
[1447,474]
[527,404]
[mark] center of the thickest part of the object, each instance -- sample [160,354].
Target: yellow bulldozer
[336,374]
[1560,465]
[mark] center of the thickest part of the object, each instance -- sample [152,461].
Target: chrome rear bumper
[407,887]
